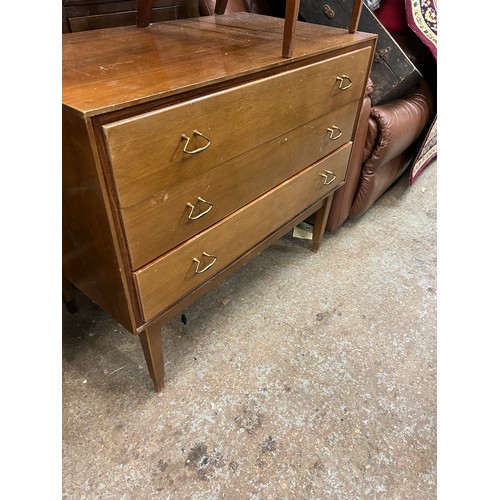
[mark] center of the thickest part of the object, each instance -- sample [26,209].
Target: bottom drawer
[172,276]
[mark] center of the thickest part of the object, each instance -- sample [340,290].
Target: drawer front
[168,279]
[157,224]
[157,150]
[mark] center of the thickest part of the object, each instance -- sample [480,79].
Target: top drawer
[153,151]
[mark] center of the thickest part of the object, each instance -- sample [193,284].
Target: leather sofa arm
[393,129]
[395,126]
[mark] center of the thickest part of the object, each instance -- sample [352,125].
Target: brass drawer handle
[341,80]
[199,150]
[190,205]
[333,129]
[198,270]
[326,174]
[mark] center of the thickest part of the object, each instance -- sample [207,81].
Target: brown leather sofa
[384,146]
[386,140]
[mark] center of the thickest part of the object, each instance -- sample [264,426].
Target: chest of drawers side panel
[90,258]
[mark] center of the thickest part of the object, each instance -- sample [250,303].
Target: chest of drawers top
[112,69]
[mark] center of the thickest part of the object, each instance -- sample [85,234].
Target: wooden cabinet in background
[83,15]
[190,146]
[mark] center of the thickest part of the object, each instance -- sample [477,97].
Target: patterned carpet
[422,19]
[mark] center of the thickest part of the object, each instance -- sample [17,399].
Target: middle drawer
[171,216]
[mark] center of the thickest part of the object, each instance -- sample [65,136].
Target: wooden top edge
[110,69]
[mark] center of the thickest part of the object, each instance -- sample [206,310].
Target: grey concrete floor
[303,376]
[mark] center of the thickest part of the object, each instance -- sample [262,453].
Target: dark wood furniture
[189,147]
[82,15]
[393,73]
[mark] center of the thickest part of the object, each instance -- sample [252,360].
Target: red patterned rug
[427,153]
[422,19]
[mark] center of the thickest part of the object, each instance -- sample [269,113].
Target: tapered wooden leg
[220,6]
[67,294]
[320,222]
[291,16]
[152,346]
[144,12]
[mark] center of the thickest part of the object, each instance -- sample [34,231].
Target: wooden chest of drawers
[191,145]
[83,15]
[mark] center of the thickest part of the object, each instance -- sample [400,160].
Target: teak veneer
[191,145]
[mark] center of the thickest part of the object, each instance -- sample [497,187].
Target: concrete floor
[303,376]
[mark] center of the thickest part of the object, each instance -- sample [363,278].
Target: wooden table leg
[152,346]
[220,6]
[67,294]
[291,17]
[144,13]
[320,220]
